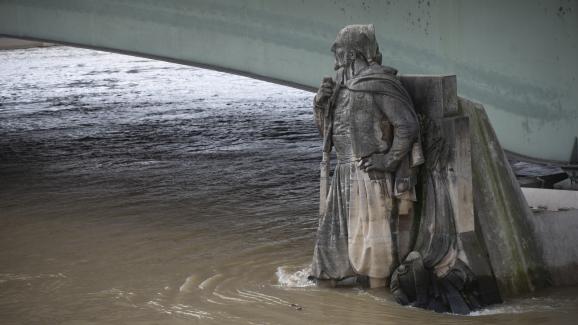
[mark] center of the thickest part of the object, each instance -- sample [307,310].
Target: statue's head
[355,41]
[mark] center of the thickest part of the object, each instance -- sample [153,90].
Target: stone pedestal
[491,216]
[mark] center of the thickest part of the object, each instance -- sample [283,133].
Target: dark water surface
[140,192]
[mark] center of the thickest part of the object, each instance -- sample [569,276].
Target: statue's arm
[321,100]
[318,113]
[405,128]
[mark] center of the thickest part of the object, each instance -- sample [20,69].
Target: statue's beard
[339,75]
[341,62]
[346,70]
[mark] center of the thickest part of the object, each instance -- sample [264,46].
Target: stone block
[434,96]
[457,136]
[503,217]
[477,259]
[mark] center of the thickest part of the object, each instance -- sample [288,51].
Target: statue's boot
[377,282]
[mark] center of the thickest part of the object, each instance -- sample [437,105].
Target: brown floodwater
[140,192]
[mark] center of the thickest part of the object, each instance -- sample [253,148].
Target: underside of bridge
[516,57]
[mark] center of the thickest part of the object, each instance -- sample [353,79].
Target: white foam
[180,309]
[294,279]
[499,310]
[520,307]
[5,277]
[210,282]
[189,284]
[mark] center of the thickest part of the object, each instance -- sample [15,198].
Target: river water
[141,192]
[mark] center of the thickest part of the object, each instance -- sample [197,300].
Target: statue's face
[340,55]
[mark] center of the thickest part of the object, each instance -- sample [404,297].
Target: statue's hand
[378,162]
[324,93]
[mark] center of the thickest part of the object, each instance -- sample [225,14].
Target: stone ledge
[551,200]
[13,44]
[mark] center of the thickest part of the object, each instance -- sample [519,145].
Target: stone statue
[367,116]
[367,234]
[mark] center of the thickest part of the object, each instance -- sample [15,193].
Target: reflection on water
[141,192]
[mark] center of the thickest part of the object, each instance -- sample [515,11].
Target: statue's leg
[404,224]
[377,282]
[330,257]
[371,248]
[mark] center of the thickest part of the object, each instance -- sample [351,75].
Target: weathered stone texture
[503,217]
[433,96]
[493,220]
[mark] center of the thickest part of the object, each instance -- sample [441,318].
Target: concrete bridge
[517,57]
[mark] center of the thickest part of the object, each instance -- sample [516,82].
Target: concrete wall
[555,221]
[558,236]
[516,57]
